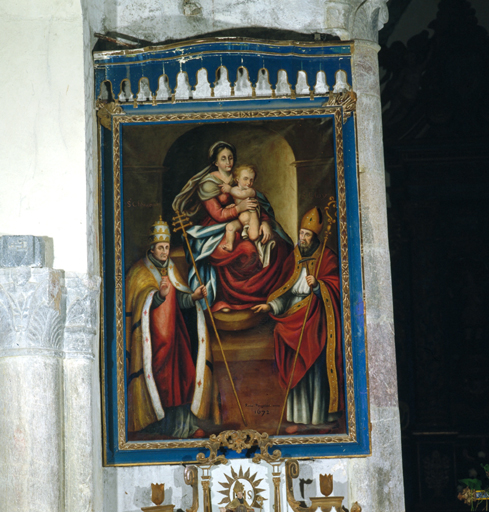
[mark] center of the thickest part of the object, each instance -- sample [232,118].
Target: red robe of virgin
[242,280]
[322,332]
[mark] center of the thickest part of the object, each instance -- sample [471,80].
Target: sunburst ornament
[245,483]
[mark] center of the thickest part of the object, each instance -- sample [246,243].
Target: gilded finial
[326,484]
[157,491]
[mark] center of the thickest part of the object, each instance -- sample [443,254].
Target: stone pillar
[376,482]
[80,390]
[48,324]
[31,420]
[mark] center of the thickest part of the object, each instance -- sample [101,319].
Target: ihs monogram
[245,481]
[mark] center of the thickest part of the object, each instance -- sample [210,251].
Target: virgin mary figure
[245,276]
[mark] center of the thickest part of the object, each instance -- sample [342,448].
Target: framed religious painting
[231,239]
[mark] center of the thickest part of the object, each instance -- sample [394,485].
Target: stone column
[48,324]
[31,350]
[376,482]
[80,390]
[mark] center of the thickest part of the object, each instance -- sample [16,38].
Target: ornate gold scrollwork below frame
[239,440]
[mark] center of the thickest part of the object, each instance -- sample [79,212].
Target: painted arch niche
[295,162]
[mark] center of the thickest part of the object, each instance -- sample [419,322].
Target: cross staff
[331,221]
[182,222]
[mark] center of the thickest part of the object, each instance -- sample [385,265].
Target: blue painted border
[190,57]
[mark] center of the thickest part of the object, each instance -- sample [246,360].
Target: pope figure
[167,390]
[316,394]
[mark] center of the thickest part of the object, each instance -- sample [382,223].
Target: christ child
[244,176]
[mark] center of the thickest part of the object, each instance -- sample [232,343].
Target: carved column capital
[356,19]
[82,306]
[32,311]
[44,312]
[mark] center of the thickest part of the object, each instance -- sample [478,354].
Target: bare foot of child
[227,247]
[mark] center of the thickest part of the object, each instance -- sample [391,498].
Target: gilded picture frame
[300,144]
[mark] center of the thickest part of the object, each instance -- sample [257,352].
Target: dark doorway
[436,137]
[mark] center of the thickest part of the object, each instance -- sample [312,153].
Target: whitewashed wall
[42,133]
